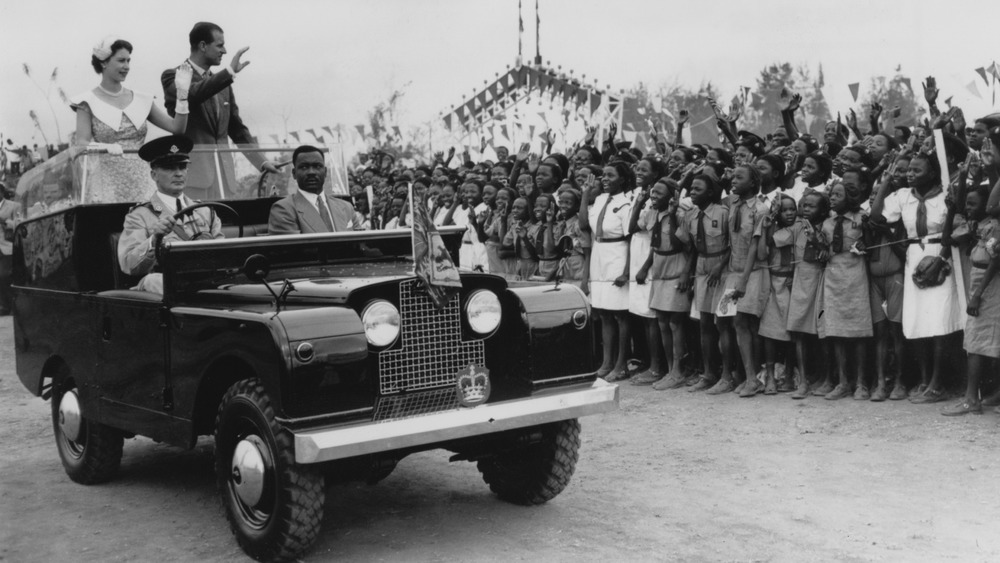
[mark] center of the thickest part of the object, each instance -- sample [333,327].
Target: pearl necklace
[110,93]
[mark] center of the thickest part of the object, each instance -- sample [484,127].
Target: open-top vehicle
[308,357]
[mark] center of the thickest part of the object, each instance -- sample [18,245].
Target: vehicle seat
[121,279]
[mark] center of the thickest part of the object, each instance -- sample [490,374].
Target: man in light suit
[309,210]
[215,117]
[8,218]
[148,223]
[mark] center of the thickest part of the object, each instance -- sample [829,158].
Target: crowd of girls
[858,265]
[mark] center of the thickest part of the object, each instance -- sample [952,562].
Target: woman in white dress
[934,311]
[112,117]
[607,219]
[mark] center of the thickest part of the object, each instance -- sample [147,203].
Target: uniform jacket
[136,248]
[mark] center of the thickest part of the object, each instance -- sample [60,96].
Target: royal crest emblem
[473,386]
[174,149]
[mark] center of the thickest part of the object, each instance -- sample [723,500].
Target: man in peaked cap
[148,223]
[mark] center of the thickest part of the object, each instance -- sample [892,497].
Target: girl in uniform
[803,305]
[779,247]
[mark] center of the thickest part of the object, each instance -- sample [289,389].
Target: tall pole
[520,31]
[538,25]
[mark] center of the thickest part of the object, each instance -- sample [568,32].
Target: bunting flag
[906,82]
[982,72]
[432,263]
[460,112]
[328,130]
[313,133]
[295,136]
[531,131]
[545,119]
[971,86]
[854,90]
[947,101]
[275,138]
[992,69]
[503,132]
[321,140]
[543,81]
[447,122]
[595,103]
[361,130]
[396,132]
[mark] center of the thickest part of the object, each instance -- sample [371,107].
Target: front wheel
[90,452]
[274,506]
[537,472]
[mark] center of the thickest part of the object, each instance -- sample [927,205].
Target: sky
[316,63]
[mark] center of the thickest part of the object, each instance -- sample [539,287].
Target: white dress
[473,252]
[608,259]
[115,179]
[932,311]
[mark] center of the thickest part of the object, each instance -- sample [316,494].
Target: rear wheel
[537,472]
[90,452]
[274,506]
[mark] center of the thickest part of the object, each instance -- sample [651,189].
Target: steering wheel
[221,206]
[189,210]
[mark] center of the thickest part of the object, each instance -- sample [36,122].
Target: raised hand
[612,131]
[683,117]
[522,154]
[784,100]
[875,111]
[987,152]
[591,133]
[482,145]
[439,156]
[852,119]
[451,153]
[930,90]
[236,64]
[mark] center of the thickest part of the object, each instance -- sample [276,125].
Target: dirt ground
[671,476]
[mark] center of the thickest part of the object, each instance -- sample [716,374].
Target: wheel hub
[249,470]
[69,416]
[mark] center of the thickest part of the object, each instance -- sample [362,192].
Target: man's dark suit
[294,214]
[214,119]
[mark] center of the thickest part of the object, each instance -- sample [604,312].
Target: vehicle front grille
[432,351]
[408,405]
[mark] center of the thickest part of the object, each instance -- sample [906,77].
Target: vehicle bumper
[326,444]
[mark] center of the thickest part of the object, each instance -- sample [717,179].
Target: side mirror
[256,268]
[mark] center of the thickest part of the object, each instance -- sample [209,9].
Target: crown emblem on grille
[473,386]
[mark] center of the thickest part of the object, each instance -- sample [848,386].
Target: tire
[96,453]
[283,518]
[536,473]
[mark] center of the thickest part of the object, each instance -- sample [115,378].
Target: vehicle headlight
[381,321]
[483,311]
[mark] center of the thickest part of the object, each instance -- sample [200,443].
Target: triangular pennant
[994,70]
[947,101]
[581,97]
[503,132]
[275,138]
[531,131]
[361,129]
[975,91]
[544,80]
[544,117]
[327,129]
[471,106]
[493,90]
[447,122]
[460,112]
[854,87]
[321,140]
[312,132]
[396,132]
[295,136]
[482,98]
[595,102]
[982,72]
[906,82]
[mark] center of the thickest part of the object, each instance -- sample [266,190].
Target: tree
[892,92]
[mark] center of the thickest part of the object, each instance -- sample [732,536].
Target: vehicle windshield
[80,175]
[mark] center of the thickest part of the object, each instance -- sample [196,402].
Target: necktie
[657,234]
[922,210]
[699,239]
[838,235]
[599,230]
[215,98]
[540,239]
[324,214]
[737,222]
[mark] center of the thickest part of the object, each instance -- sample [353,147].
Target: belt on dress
[466,242]
[980,266]
[610,239]
[659,252]
[935,240]
[783,274]
[713,254]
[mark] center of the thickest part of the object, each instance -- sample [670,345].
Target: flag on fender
[431,261]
